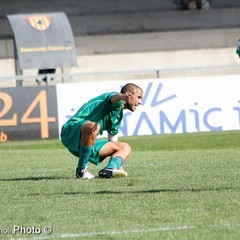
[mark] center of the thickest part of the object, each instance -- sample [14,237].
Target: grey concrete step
[141,22]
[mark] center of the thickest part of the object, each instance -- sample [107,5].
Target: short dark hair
[129,87]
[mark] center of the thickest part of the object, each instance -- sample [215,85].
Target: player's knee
[126,148]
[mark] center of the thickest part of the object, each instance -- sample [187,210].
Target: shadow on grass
[152,191]
[138,192]
[31,179]
[40,178]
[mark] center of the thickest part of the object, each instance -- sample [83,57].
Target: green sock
[115,162]
[84,154]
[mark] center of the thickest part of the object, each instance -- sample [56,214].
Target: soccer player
[238,48]
[104,112]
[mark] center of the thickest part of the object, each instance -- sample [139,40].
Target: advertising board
[176,105]
[28,113]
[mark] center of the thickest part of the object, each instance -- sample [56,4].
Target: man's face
[135,100]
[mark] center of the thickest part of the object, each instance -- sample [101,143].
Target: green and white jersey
[102,111]
[238,47]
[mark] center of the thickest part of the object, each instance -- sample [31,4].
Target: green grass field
[180,186]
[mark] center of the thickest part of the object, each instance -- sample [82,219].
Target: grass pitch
[180,186]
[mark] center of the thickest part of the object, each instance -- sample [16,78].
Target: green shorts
[70,137]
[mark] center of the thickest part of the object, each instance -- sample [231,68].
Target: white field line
[147,230]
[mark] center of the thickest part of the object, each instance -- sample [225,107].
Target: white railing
[154,73]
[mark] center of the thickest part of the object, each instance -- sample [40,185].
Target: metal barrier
[131,75]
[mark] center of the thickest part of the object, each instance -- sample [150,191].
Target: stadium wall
[145,51]
[177,105]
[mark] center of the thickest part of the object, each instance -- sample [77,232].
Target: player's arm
[126,97]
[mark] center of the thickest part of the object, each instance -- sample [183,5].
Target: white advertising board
[171,105]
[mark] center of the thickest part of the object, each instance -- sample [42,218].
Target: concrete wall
[89,17]
[99,7]
[145,42]
[148,51]
[146,22]
[136,35]
[86,7]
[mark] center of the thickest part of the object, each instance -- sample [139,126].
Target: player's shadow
[31,179]
[153,191]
